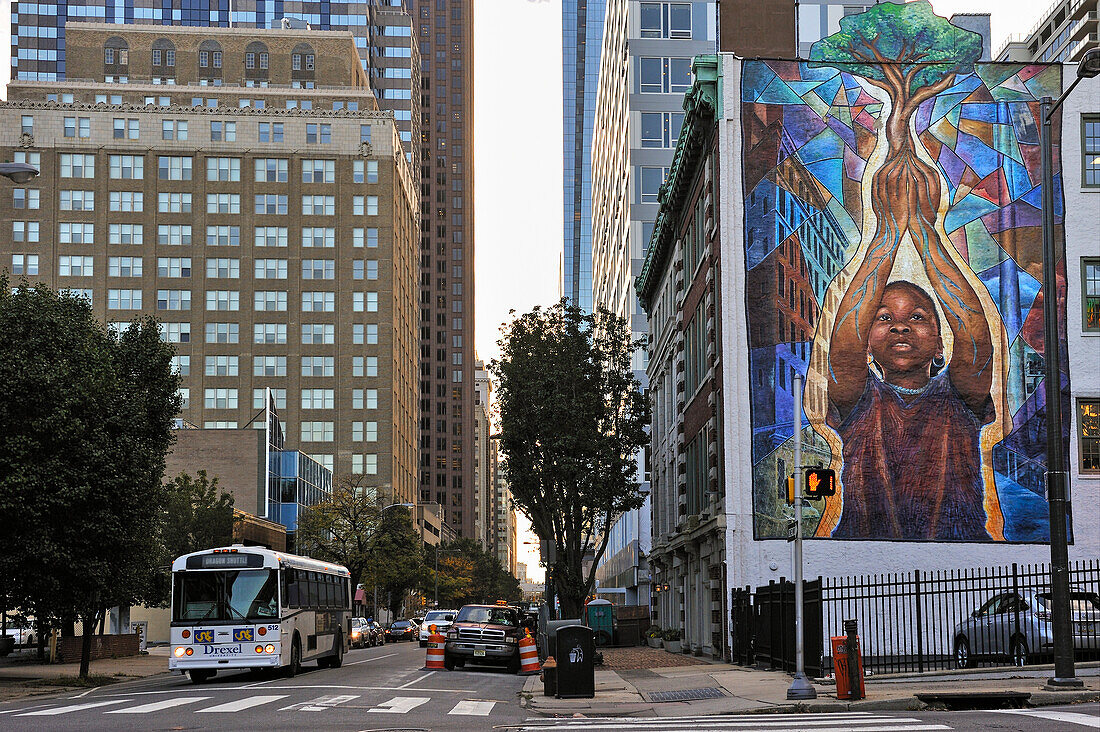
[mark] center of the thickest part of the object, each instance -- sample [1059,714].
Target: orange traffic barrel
[528,655]
[434,659]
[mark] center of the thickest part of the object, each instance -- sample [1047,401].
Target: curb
[897,704]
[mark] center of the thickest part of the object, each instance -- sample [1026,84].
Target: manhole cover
[684,695]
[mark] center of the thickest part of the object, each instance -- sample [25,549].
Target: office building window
[171,129]
[223,131]
[666,20]
[1090,294]
[77,201]
[222,366]
[660,129]
[223,169]
[318,133]
[223,333]
[664,75]
[24,264]
[650,181]
[25,231]
[270,269]
[1090,150]
[1088,434]
[175,332]
[319,171]
[270,132]
[77,166]
[127,167]
[318,333]
[271,170]
[269,366]
[173,266]
[269,333]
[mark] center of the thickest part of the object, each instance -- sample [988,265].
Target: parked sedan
[401,630]
[1018,626]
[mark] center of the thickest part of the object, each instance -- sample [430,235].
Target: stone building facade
[242,187]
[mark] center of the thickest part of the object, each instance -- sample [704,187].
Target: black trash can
[576,654]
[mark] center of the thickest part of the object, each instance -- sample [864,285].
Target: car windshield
[400,624]
[437,615]
[493,615]
[229,595]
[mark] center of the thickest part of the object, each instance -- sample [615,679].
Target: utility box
[600,615]
[576,655]
[842,669]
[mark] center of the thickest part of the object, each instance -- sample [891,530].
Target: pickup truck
[484,634]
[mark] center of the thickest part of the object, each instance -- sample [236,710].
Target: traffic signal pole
[800,687]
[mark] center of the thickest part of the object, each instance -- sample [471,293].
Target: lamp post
[18,172]
[1064,674]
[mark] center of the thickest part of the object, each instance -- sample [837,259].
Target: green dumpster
[600,617]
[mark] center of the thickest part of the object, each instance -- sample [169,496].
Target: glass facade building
[298,482]
[582,36]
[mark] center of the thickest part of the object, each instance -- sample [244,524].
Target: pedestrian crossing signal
[820,483]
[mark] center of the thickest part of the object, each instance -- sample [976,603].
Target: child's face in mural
[905,336]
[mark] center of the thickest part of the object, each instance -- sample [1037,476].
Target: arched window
[303,62]
[210,60]
[257,60]
[164,59]
[116,54]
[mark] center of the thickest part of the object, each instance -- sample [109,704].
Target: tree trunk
[86,644]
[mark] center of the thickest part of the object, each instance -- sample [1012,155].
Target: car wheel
[448,661]
[295,666]
[962,654]
[513,663]
[1019,652]
[199,676]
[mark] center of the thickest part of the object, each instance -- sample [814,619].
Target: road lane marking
[246,703]
[473,708]
[157,706]
[400,704]
[365,660]
[414,681]
[717,724]
[71,708]
[1085,720]
[321,703]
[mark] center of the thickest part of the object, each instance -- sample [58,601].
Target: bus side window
[294,588]
[284,579]
[312,596]
[345,586]
[330,590]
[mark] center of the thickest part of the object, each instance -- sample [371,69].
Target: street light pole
[1064,673]
[800,687]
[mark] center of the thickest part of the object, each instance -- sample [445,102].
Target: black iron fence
[919,620]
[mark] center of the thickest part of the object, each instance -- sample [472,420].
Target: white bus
[249,607]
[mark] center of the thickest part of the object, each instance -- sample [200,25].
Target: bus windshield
[249,594]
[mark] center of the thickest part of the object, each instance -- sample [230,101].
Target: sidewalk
[22,675]
[738,689]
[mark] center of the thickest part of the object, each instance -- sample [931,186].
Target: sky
[518,156]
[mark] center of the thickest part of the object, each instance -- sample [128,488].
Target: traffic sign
[792,530]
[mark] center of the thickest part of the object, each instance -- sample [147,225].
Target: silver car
[1018,626]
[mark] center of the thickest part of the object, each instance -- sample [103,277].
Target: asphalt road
[379,688]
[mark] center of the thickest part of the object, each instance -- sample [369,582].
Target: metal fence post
[920,621]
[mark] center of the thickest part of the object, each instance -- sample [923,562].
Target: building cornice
[700,109]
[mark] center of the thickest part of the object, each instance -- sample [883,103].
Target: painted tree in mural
[886,356]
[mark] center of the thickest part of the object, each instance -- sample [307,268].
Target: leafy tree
[341,529]
[468,573]
[396,555]
[572,419]
[197,515]
[85,425]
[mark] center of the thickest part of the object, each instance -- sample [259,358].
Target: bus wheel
[199,676]
[295,664]
[337,659]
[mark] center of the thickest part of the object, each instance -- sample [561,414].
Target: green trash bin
[600,617]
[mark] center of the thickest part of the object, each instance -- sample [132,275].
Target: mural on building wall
[894,253]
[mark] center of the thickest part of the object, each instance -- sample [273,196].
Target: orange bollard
[434,659]
[528,655]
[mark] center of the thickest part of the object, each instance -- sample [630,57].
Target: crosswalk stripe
[473,708]
[157,706]
[246,703]
[321,703]
[72,708]
[755,722]
[1085,720]
[400,705]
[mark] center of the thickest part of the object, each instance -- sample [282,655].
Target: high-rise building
[484,465]
[1063,33]
[582,35]
[644,72]
[440,111]
[192,174]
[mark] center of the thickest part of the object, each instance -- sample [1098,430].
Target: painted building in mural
[880,239]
